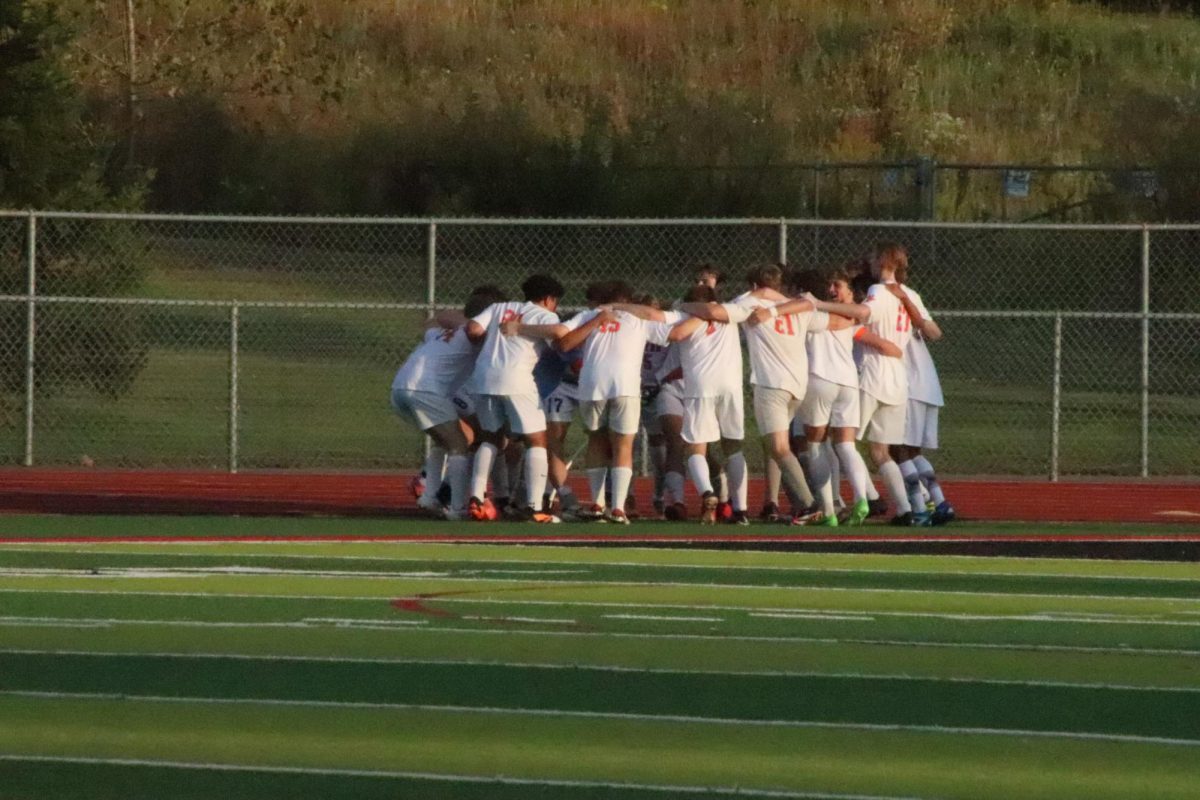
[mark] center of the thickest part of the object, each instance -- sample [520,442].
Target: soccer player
[831,407]
[778,372]
[653,358]
[507,394]
[711,357]
[613,340]
[884,381]
[424,388]
[925,398]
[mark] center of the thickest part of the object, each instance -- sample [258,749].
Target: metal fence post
[30,332]
[1056,398]
[1145,351]
[431,270]
[783,242]
[233,387]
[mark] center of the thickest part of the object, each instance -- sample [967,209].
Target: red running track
[88,491]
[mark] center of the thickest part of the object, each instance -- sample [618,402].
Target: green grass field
[402,669]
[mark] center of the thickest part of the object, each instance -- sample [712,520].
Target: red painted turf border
[92,491]
[615,539]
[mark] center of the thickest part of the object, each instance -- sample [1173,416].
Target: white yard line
[737,791]
[656,618]
[576,666]
[561,713]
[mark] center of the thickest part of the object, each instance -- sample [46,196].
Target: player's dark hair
[648,300]
[766,275]
[598,293]
[481,297]
[808,280]
[700,294]
[620,292]
[860,286]
[539,287]
[709,269]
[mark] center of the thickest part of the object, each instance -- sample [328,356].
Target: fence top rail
[596,221]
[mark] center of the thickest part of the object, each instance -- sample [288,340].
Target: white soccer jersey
[505,364]
[884,378]
[778,358]
[923,382]
[612,354]
[441,363]
[712,360]
[831,356]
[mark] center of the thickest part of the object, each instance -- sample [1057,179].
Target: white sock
[485,456]
[739,488]
[537,464]
[855,469]
[894,482]
[673,487]
[929,478]
[500,487]
[819,470]
[912,484]
[621,478]
[835,472]
[701,478]
[435,468]
[458,473]
[597,477]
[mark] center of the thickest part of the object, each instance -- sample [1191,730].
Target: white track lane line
[560,713]
[656,618]
[736,791]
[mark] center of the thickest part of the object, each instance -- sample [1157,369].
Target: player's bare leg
[673,480]
[658,462]
[536,472]
[556,440]
[599,456]
[779,449]
[820,472]
[942,511]
[774,478]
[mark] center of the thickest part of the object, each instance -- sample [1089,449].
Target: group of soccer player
[834,359]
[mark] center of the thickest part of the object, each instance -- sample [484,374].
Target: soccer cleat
[708,509]
[943,514]
[904,520]
[769,513]
[631,509]
[443,494]
[930,506]
[593,513]
[807,517]
[617,517]
[450,515]
[826,521]
[528,514]
[878,507]
[676,512]
[738,518]
[922,519]
[725,511]
[477,510]
[417,485]
[659,508]
[860,512]
[429,504]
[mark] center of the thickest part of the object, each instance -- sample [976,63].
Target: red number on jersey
[903,321]
[784,325]
[711,329]
[610,327]
[509,316]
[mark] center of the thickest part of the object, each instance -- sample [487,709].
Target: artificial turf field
[299,666]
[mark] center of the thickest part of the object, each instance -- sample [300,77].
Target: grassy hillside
[544,105]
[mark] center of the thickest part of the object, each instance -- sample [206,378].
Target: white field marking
[738,791]
[813,615]
[649,564]
[201,572]
[623,715]
[780,639]
[656,618]
[546,620]
[620,668]
[92,622]
[351,622]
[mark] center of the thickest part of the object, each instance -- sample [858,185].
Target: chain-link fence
[269,343]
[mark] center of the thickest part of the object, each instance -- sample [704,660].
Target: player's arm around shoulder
[876,342]
[685,329]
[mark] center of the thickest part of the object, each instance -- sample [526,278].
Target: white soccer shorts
[882,423]
[921,425]
[669,402]
[774,409]
[426,409]
[464,401]
[707,419]
[522,412]
[617,414]
[562,403]
[829,403]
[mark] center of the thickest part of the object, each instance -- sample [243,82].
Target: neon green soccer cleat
[862,510]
